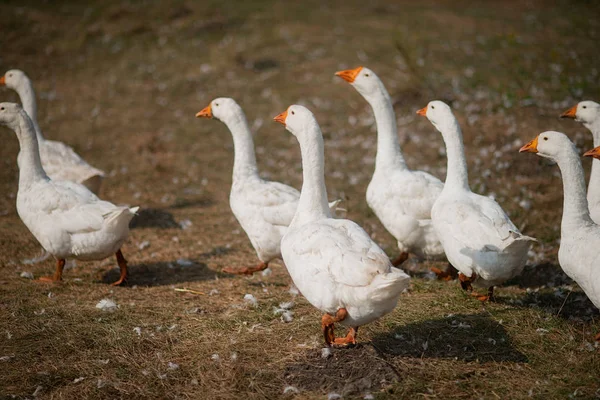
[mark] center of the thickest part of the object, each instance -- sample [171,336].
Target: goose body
[579,252]
[59,160]
[263,208]
[66,218]
[588,113]
[401,198]
[478,237]
[333,262]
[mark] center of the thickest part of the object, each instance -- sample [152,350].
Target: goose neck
[457,176]
[244,162]
[30,165]
[313,197]
[575,206]
[389,154]
[27,96]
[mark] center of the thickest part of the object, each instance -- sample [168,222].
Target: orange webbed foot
[245,270]
[350,338]
[48,279]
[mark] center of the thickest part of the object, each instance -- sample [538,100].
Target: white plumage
[334,263]
[588,113]
[401,198]
[66,218]
[579,252]
[58,159]
[263,208]
[478,237]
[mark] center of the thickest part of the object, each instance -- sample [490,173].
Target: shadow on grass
[534,276]
[163,273]
[153,218]
[349,371]
[563,303]
[549,295]
[461,337]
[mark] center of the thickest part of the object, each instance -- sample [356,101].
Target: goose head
[14,79]
[549,144]
[365,81]
[10,114]
[297,120]
[439,114]
[222,108]
[586,112]
[595,152]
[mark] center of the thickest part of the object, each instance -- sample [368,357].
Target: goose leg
[246,270]
[448,275]
[598,337]
[123,267]
[327,326]
[400,259]
[57,277]
[465,282]
[349,339]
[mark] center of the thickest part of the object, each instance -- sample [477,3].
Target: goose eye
[545,137]
[584,106]
[2,108]
[293,113]
[217,104]
[366,74]
[433,107]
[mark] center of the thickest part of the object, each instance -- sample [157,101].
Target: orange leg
[349,339]
[327,326]
[57,277]
[598,337]
[123,266]
[449,274]
[465,283]
[400,259]
[246,270]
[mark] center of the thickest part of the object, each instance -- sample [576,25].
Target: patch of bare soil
[348,371]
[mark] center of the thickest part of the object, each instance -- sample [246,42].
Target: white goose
[588,113]
[333,262]
[66,218]
[478,237]
[59,160]
[579,253]
[401,198]
[264,209]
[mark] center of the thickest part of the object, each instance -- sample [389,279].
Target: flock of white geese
[334,263]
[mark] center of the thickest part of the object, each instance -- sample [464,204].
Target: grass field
[121,83]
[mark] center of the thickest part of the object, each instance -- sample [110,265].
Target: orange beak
[349,75]
[593,153]
[281,118]
[530,147]
[206,112]
[570,113]
[423,111]
[3,80]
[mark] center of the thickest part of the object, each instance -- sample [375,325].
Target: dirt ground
[121,83]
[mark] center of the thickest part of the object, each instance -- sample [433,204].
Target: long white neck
[575,207]
[593,195]
[30,165]
[312,205]
[457,176]
[27,96]
[244,162]
[389,154]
